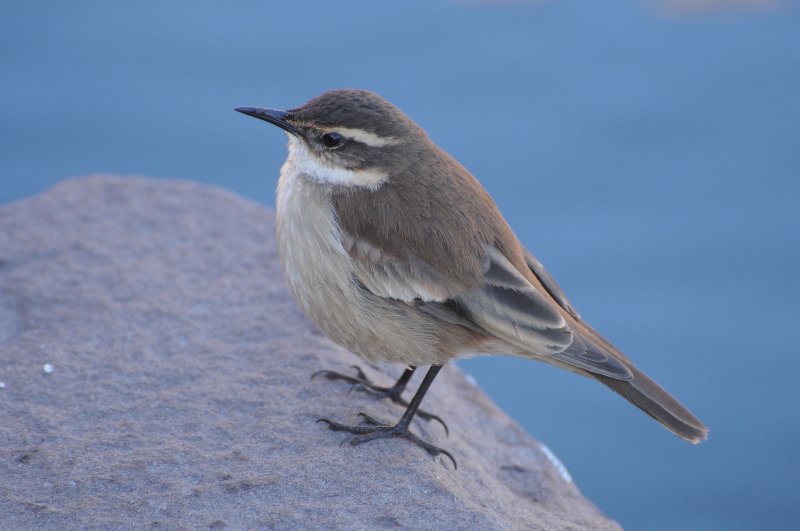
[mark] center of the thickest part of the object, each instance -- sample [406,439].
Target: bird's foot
[373,429]
[361,382]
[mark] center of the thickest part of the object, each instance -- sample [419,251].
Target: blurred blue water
[646,152]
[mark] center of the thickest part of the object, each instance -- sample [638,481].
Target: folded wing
[503,304]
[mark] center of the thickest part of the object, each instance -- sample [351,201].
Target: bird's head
[347,137]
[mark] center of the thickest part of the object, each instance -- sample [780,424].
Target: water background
[648,152]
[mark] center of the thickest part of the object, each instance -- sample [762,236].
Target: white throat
[302,162]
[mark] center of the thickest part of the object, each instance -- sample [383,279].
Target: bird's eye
[331,140]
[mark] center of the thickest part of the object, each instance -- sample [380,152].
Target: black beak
[272,116]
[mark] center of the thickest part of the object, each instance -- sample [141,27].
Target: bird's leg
[361,382]
[376,430]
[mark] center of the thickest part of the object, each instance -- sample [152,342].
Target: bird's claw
[377,430]
[361,382]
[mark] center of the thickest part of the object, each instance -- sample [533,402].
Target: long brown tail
[610,366]
[651,398]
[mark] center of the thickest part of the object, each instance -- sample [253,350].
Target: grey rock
[179,396]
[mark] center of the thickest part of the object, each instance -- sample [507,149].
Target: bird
[398,253]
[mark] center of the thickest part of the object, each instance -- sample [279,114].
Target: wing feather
[505,304]
[549,283]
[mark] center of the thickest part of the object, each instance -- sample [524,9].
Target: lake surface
[648,153]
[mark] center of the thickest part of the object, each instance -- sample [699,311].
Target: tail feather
[651,398]
[643,392]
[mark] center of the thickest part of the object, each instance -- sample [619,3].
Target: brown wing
[504,304]
[549,283]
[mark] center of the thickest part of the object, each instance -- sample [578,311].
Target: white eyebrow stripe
[365,137]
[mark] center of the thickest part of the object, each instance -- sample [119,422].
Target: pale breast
[310,248]
[320,276]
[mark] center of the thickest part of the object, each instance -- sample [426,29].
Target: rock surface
[154,372]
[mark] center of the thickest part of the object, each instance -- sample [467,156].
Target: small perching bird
[398,254]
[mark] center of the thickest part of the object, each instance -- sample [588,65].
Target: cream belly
[320,275]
